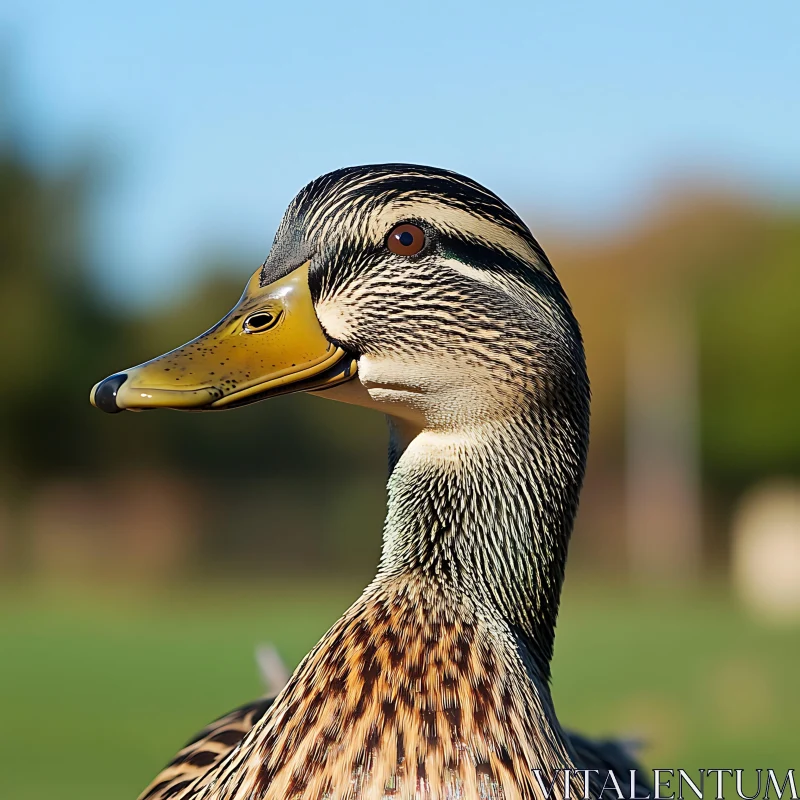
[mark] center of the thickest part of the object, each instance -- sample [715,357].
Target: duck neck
[485,512]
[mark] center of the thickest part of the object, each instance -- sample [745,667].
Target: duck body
[436,306]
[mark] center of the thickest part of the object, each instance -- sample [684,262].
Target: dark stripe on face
[501,262]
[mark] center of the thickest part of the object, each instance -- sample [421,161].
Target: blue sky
[212,115]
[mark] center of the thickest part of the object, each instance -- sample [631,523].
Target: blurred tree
[738,263]
[47,314]
[750,338]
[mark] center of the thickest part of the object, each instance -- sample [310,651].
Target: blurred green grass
[99,688]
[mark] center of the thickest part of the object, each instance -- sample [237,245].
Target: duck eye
[406,239]
[260,321]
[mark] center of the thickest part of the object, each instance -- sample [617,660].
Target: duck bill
[271,343]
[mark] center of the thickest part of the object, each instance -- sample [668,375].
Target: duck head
[420,293]
[409,289]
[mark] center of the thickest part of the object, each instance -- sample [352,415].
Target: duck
[417,292]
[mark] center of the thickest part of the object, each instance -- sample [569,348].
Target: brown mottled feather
[225,734]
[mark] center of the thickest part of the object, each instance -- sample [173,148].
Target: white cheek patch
[385,378]
[413,375]
[335,318]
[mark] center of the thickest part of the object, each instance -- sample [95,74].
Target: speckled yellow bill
[270,343]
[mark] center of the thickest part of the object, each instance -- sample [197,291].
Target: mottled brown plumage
[404,689]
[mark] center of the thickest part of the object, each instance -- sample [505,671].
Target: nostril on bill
[105,395]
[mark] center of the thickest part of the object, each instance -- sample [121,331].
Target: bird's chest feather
[402,699]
